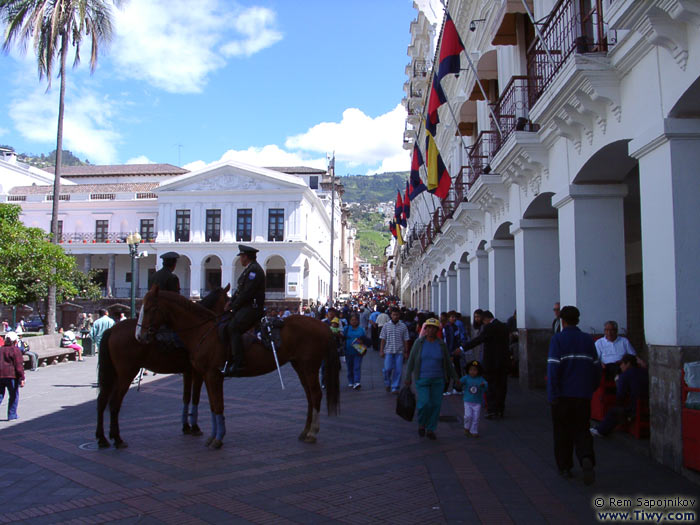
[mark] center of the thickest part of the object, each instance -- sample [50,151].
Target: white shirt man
[612,347]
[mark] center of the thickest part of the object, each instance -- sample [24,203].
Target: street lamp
[133,241]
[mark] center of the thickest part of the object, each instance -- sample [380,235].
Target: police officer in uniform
[165,278]
[246,306]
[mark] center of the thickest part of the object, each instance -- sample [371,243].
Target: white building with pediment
[204,215]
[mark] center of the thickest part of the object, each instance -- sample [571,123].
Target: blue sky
[278,82]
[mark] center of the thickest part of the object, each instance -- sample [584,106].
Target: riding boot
[233,364]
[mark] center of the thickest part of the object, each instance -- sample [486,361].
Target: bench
[48,348]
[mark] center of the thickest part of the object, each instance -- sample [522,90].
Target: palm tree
[53,27]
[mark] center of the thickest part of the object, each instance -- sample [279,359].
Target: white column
[452,290]
[669,190]
[435,299]
[536,271]
[227,224]
[592,253]
[442,295]
[195,279]
[87,263]
[111,275]
[501,278]
[197,222]
[479,280]
[463,290]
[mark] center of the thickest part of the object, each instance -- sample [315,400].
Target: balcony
[571,27]
[93,238]
[512,111]
[480,155]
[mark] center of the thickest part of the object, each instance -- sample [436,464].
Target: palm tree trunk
[51,306]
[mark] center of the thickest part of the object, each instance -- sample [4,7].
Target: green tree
[30,264]
[53,26]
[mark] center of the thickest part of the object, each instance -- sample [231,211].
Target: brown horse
[122,356]
[306,343]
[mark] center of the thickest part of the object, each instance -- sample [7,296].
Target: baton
[274,353]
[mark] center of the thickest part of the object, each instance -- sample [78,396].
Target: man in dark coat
[573,374]
[165,278]
[495,362]
[246,307]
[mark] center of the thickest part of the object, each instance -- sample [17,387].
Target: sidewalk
[369,466]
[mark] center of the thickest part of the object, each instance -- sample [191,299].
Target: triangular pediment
[232,177]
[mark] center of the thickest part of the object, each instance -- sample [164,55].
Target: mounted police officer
[246,306]
[165,278]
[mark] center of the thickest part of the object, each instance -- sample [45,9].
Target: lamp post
[133,241]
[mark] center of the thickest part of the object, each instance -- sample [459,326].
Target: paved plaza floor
[369,466]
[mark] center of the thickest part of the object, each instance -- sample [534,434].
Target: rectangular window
[101,230]
[275,225]
[244,224]
[313,182]
[148,230]
[59,229]
[213,231]
[274,281]
[182,225]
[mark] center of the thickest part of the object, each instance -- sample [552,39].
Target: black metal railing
[480,155]
[572,26]
[512,111]
[93,238]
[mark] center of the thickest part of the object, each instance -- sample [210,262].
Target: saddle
[266,331]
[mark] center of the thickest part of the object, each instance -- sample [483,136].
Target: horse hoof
[120,444]
[310,439]
[186,429]
[195,431]
[103,443]
[217,444]
[209,441]
[302,436]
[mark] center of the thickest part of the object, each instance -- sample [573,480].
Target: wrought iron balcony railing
[572,26]
[93,238]
[480,155]
[512,110]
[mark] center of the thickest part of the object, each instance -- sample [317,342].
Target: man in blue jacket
[573,374]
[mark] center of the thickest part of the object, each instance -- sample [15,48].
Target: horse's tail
[106,373]
[332,377]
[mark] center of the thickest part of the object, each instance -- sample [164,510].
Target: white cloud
[254,24]
[174,45]
[87,129]
[141,159]
[4,131]
[359,139]
[266,156]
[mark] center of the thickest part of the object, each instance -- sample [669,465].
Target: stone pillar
[501,257]
[463,290]
[592,253]
[452,290]
[442,295]
[195,280]
[536,291]
[87,263]
[111,275]
[479,280]
[669,157]
[435,297]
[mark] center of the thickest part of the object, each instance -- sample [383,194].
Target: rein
[215,320]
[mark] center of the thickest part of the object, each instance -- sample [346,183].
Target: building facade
[573,144]
[283,212]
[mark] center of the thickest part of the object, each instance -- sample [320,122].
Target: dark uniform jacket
[165,279]
[251,288]
[495,337]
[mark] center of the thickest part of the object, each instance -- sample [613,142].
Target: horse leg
[186,389]
[115,405]
[196,391]
[102,400]
[313,396]
[215,390]
[309,414]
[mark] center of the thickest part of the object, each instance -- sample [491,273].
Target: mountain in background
[44,161]
[373,189]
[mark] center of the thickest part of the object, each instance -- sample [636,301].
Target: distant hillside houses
[284,212]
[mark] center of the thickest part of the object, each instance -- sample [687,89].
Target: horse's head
[216,300]
[151,316]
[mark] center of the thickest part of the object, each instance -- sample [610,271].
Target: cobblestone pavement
[369,466]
